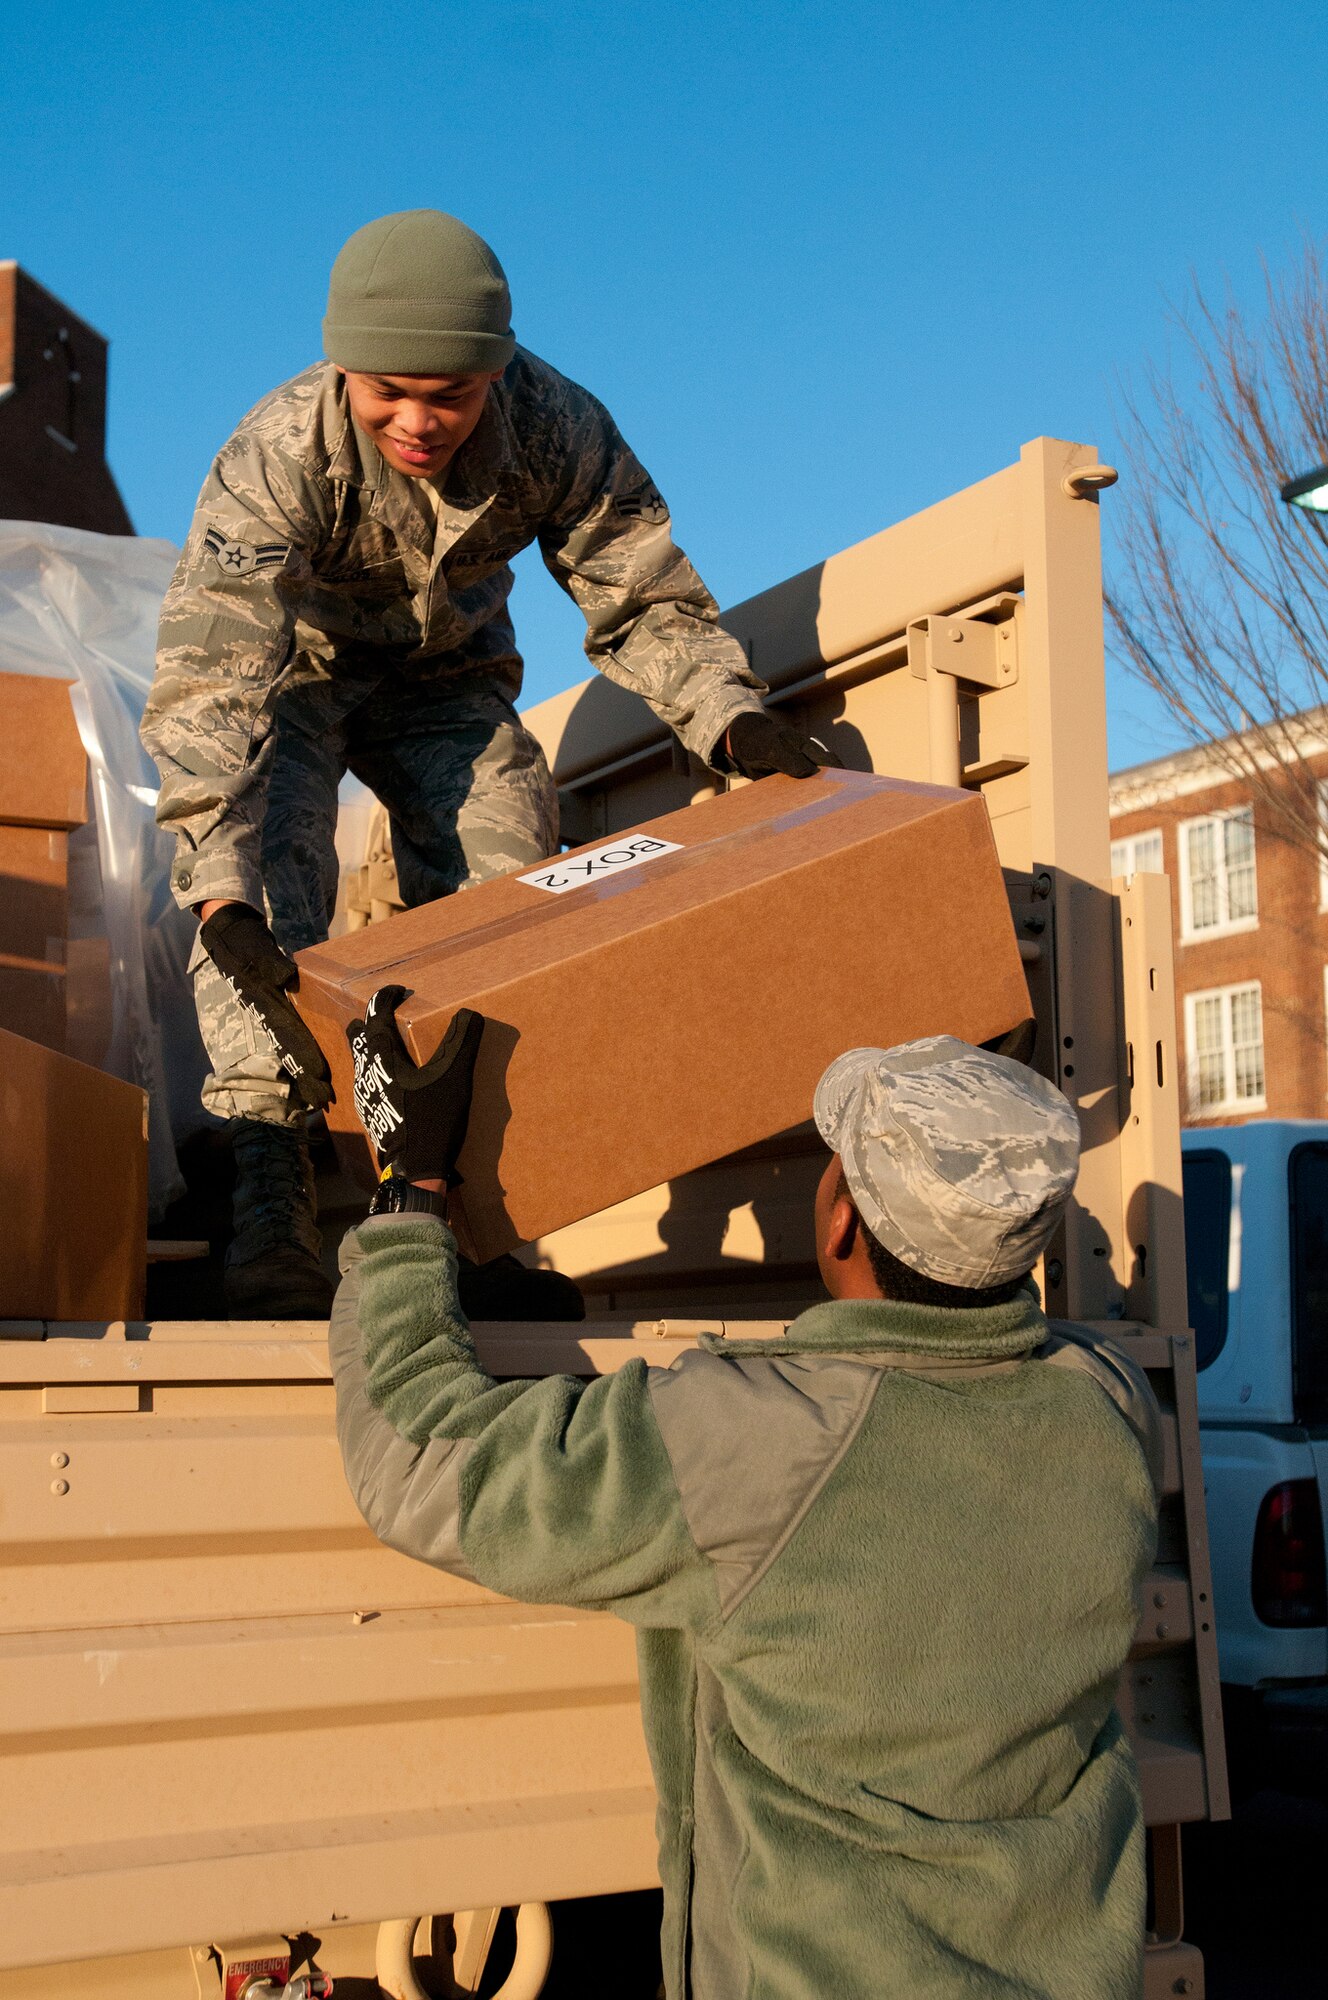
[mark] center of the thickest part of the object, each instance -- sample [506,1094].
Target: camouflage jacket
[311,558]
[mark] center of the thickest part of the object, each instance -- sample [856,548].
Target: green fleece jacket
[884,1571]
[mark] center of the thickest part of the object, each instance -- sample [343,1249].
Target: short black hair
[900,1281]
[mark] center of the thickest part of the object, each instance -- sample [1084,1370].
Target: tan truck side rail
[276,1723]
[962,646]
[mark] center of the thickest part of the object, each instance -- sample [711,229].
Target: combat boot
[272,1266]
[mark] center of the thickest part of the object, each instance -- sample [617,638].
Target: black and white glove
[760,743]
[261,977]
[416,1115]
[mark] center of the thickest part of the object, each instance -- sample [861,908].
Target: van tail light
[1287,1574]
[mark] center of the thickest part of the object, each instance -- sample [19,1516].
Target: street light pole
[1309,492]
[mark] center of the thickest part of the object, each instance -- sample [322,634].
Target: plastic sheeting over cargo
[83,607]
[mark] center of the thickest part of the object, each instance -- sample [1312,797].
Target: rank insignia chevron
[244,558]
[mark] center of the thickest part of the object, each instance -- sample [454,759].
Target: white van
[1256,1238]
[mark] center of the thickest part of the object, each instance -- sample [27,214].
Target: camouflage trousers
[468,794]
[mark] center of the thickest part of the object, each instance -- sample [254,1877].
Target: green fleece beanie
[418,294]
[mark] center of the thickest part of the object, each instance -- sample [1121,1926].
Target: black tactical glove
[259,974]
[415,1116]
[760,743]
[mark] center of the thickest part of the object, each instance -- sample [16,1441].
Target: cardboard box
[89,999]
[661,999]
[34,921]
[73,1188]
[43,794]
[43,767]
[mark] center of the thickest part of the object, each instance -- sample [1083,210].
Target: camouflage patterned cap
[959,1162]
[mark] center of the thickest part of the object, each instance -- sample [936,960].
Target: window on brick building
[1218,891]
[1323,843]
[1137,854]
[1224,1049]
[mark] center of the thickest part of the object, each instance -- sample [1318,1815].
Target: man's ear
[842,1231]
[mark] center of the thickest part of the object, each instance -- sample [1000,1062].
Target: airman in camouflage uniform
[928,1165]
[337,608]
[885,1564]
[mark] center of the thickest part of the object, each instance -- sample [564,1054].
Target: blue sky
[824,263]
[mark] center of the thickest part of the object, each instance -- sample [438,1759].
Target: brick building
[1250,918]
[53,413]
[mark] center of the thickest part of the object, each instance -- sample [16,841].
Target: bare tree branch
[1220,603]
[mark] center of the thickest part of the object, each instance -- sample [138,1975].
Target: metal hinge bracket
[969,649]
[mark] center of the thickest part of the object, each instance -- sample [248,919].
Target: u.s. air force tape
[244,558]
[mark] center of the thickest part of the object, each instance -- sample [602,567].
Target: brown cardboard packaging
[664,998]
[43,767]
[34,918]
[43,794]
[89,999]
[73,1188]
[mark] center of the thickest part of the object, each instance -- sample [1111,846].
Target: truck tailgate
[228,1708]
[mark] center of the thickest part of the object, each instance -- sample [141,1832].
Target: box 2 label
[578,869]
